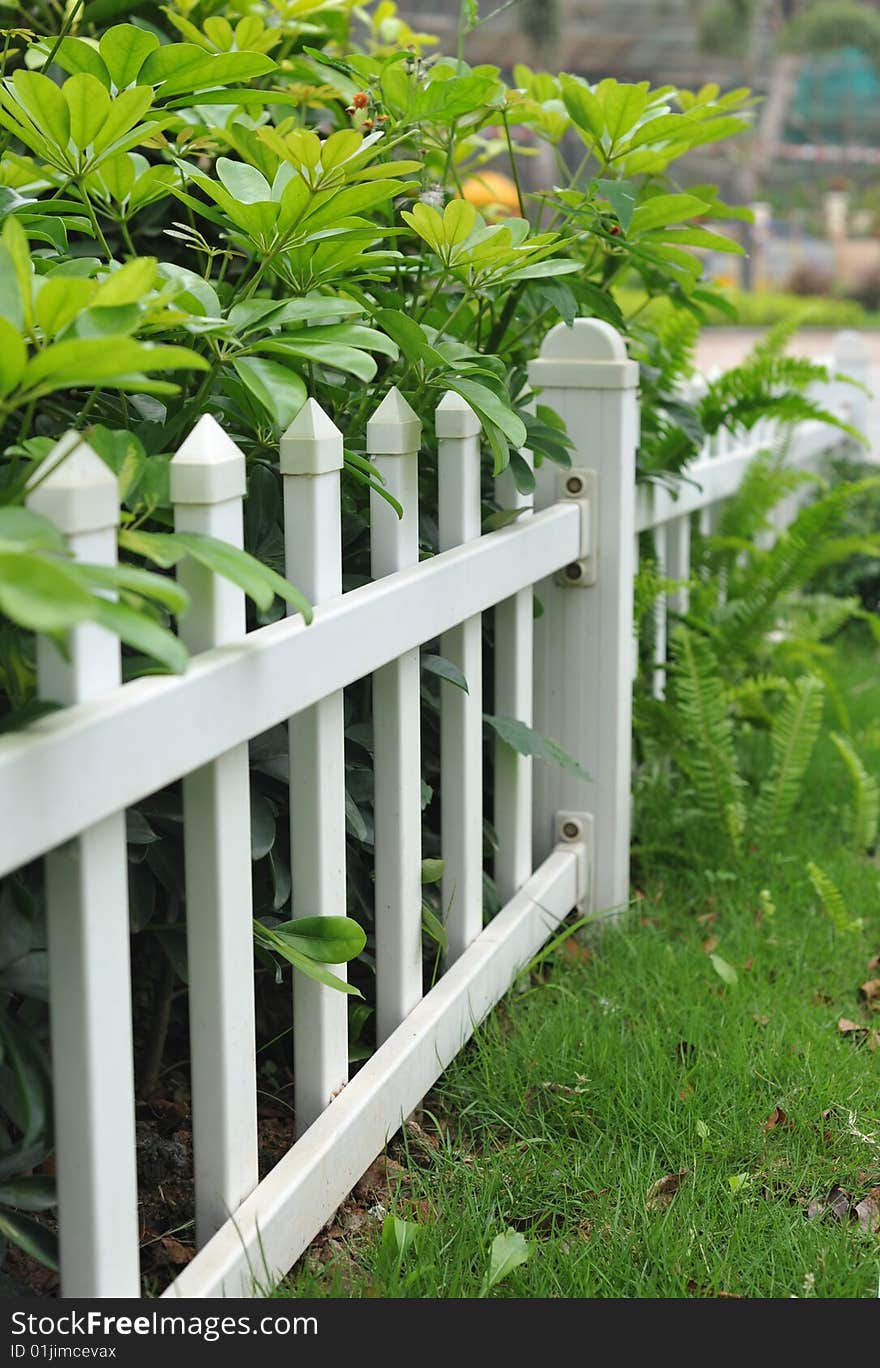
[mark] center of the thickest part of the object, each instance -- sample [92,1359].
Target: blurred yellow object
[493,191]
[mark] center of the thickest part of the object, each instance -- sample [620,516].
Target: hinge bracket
[581,486]
[576,829]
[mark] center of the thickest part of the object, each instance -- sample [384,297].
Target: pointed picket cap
[312,445]
[394,429]
[79,493]
[455,417]
[590,354]
[209,468]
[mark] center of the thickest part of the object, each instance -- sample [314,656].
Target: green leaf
[621,195]
[507,1252]
[525,741]
[280,391]
[258,581]
[126,285]
[13,356]
[445,669]
[42,594]
[125,114]
[662,210]
[89,105]
[20,529]
[624,106]
[142,633]
[59,301]
[432,871]
[433,927]
[29,1194]
[182,67]
[43,102]
[160,588]
[31,1237]
[582,105]
[87,361]
[724,970]
[245,182]
[398,1238]
[329,940]
[125,48]
[487,406]
[309,967]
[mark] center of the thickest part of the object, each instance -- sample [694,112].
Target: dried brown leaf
[575,952]
[175,1252]
[868,1212]
[873,963]
[819,999]
[870,989]
[777,1117]
[711,944]
[847,1027]
[661,1193]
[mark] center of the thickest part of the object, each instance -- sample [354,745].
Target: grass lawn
[651,1129]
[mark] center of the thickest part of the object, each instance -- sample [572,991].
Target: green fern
[867,795]
[807,546]
[831,898]
[768,386]
[709,758]
[793,737]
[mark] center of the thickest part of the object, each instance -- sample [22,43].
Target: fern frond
[793,736]
[866,810]
[768,386]
[709,758]
[831,898]
[803,548]
[766,482]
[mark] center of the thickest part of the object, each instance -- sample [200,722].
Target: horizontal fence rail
[154,730]
[67,780]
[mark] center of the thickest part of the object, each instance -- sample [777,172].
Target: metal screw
[571,830]
[574,484]
[573,571]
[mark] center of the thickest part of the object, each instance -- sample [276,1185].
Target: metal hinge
[576,829]
[582,487]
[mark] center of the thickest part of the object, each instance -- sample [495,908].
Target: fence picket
[393,441]
[661,554]
[678,559]
[88,933]
[461,714]
[207,488]
[514,639]
[311,459]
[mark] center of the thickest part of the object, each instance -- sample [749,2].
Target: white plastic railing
[66,781]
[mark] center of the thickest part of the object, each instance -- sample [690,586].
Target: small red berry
[361,100]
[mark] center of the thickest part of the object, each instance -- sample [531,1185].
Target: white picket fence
[67,780]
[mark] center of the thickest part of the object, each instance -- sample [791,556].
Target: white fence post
[849,356]
[88,932]
[207,488]
[394,436]
[461,714]
[584,639]
[311,459]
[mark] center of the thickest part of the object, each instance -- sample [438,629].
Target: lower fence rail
[269,1231]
